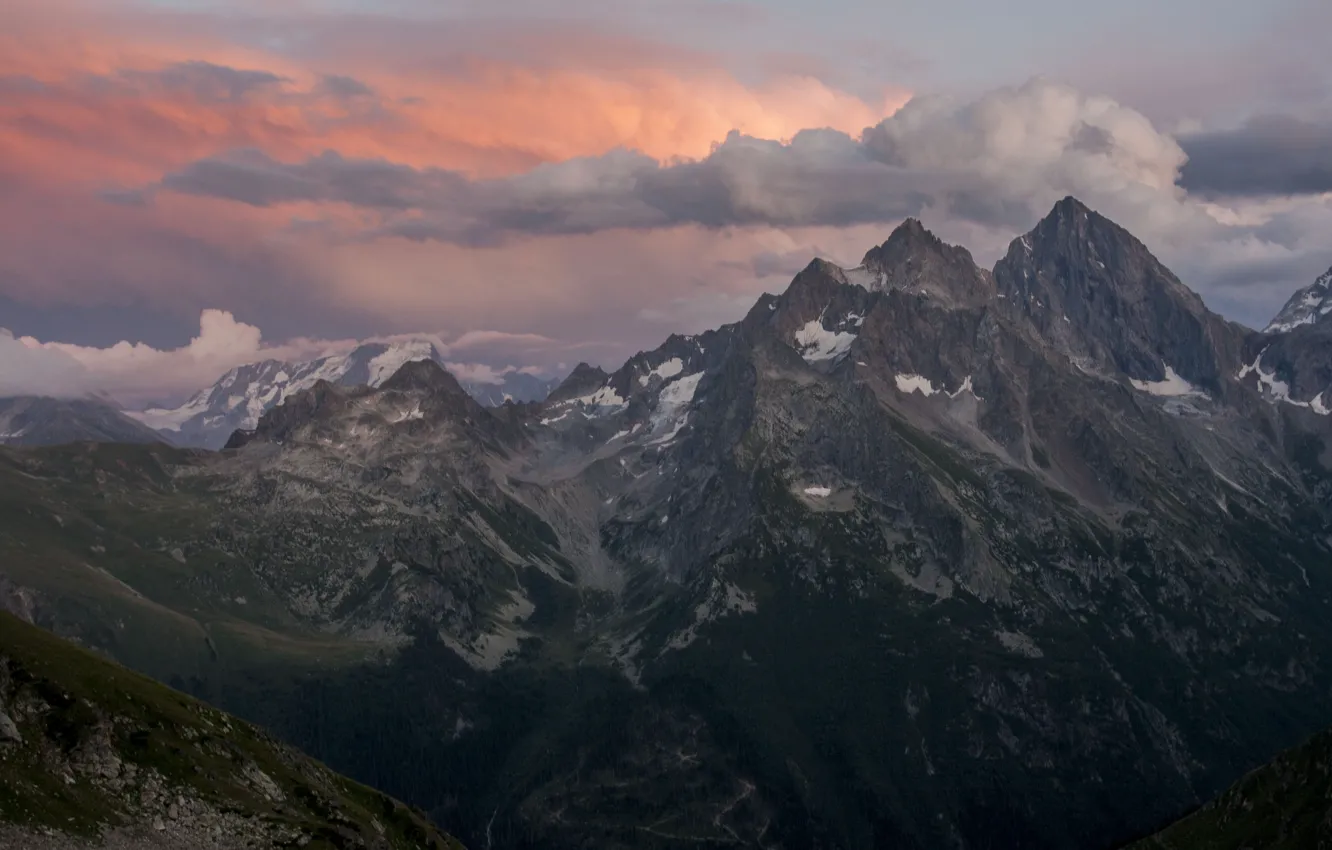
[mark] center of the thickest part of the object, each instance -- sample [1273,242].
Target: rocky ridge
[240,397]
[910,537]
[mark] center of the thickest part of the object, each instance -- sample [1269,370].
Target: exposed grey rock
[1291,362]
[237,399]
[9,732]
[1096,291]
[1019,542]
[1308,306]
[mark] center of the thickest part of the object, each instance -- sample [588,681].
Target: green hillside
[90,750]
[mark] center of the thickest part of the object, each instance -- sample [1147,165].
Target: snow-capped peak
[245,393]
[1305,307]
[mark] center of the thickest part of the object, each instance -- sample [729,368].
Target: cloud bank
[995,161]
[134,373]
[1269,155]
[33,370]
[578,190]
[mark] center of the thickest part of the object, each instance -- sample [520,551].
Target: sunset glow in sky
[574,181]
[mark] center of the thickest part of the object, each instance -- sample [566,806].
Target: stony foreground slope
[92,753]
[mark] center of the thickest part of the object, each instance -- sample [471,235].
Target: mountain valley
[915,554]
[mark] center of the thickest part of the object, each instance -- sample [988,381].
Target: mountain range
[242,395]
[916,554]
[45,421]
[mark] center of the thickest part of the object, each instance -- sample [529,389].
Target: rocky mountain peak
[1291,361]
[911,233]
[1071,209]
[583,379]
[424,375]
[1310,305]
[296,410]
[239,398]
[1094,290]
[915,260]
[1074,229]
[806,297]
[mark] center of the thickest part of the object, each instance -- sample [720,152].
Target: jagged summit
[911,232]
[914,259]
[875,475]
[583,379]
[1310,305]
[239,398]
[424,375]
[1095,290]
[1070,208]
[1072,226]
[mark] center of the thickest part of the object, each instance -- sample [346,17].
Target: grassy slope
[101,558]
[1284,805]
[189,744]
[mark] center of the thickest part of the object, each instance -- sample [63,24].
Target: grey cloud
[341,86]
[764,264]
[206,80]
[821,178]
[992,165]
[1270,155]
[252,177]
[126,197]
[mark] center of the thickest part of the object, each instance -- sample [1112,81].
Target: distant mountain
[916,554]
[1306,307]
[43,421]
[1291,361]
[518,387]
[1283,805]
[93,755]
[240,397]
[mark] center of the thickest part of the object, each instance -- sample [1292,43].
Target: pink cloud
[98,100]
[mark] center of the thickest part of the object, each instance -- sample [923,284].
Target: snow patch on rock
[672,412]
[601,401]
[965,387]
[412,414]
[1172,386]
[1278,390]
[816,343]
[915,383]
[1305,307]
[384,366]
[665,371]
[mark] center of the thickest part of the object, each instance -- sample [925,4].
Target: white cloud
[134,373]
[478,373]
[27,369]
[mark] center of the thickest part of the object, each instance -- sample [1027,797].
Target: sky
[188,185]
